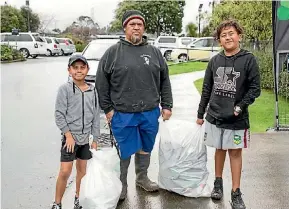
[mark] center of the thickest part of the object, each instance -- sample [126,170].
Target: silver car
[66,45]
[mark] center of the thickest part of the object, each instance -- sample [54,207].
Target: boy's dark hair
[228,23]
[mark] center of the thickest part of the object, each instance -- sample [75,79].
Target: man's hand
[200,121]
[94,145]
[109,116]
[166,114]
[69,143]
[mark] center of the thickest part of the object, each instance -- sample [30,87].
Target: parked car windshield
[96,50]
[37,38]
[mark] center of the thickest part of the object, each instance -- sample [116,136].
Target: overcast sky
[61,13]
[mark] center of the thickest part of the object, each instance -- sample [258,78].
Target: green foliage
[265,61]
[10,54]
[80,47]
[33,19]
[191,30]
[254,16]
[160,16]
[12,18]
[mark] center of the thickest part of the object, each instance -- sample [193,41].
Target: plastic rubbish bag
[101,186]
[183,158]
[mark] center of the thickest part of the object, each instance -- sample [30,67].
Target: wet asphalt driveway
[31,143]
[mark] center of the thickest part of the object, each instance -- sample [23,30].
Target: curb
[11,61]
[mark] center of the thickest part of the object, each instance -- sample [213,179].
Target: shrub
[80,47]
[265,61]
[10,54]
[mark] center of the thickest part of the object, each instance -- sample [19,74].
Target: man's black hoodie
[133,78]
[229,82]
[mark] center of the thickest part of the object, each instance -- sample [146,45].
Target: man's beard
[135,39]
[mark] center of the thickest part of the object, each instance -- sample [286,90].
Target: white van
[166,44]
[29,44]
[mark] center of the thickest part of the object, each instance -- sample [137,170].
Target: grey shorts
[221,138]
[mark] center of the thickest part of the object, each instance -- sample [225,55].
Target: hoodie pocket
[222,108]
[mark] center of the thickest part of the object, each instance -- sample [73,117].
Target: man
[132,80]
[231,84]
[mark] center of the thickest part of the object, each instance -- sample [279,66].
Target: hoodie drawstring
[94,97]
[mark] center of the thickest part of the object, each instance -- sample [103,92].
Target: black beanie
[132,14]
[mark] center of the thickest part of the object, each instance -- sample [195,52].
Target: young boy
[77,116]
[231,84]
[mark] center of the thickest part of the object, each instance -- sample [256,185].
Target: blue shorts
[135,131]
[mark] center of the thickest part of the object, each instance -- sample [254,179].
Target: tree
[161,16]
[191,30]
[84,26]
[206,31]
[11,18]
[254,16]
[34,19]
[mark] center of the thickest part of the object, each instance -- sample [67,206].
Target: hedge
[265,61]
[10,54]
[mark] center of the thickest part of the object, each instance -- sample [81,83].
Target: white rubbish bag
[101,186]
[183,158]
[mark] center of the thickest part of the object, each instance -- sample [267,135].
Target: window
[186,41]
[49,41]
[199,43]
[61,41]
[9,38]
[167,40]
[216,43]
[69,41]
[25,37]
[96,50]
[37,38]
[56,41]
[210,43]
[2,37]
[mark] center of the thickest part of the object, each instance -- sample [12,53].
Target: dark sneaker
[217,193]
[56,206]
[76,203]
[237,201]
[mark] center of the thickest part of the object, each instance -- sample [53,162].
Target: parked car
[29,44]
[67,46]
[52,46]
[94,51]
[166,44]
[202,49]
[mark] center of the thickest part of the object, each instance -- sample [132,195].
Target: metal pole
[200,10]
[28,11]
[199,24]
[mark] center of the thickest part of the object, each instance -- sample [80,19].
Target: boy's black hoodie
[133,78]
[229,82]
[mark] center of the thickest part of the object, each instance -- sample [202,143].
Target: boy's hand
[109,116]
[69,144]
[166,114]
[200,121]
[94,145]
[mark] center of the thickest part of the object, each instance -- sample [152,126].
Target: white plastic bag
[101,186]
[183,158]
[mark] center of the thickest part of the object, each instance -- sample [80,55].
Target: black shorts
[81,152]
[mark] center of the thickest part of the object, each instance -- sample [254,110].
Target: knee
[64,173]
[81,173]
[235,153]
